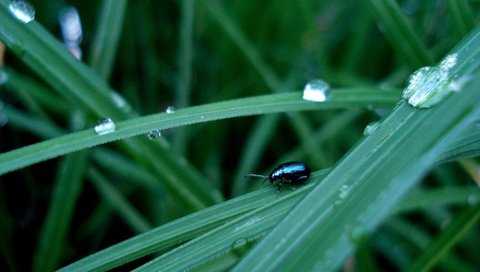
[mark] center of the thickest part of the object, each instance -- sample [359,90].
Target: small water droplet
[22,10]
[239,243]
[104,126]
[371,128]
[170,110]
[344,191]
[316,90]
[154,134]
[240,246]
[248,223]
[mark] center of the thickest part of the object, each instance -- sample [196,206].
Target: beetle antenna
[256,176]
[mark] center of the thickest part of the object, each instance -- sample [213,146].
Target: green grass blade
[116,200]
[261,133]
[68,185]
[105,41]
[401,35]
[25,156]
[461,15]
[421,199]
[455,230]
[50,59]
[191,226]
[185,59]
[172,233]
[321,230]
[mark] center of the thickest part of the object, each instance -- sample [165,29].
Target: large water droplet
[371,128]
[22,10]
[316,90]
[154,134]
[104,126]
[70,26]
[429,85]
[170,110]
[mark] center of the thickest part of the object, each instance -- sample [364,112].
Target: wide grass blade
[353,199]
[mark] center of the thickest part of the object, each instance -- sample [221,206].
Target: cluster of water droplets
[104,126]
[316,90]
[157,133]
[22,10]
[429,85]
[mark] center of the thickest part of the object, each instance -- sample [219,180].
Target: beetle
[288,173]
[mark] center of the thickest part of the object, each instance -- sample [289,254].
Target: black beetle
[288,173]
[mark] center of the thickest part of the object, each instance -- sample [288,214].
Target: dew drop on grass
[316,90]
[154,134]
[344,191]
[22,10]
[429,85]
[371,128]
[104,126]
[170,110]
[70,26]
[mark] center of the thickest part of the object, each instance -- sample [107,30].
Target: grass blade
[455,230]
[54,232]
[321,231]
[25,156]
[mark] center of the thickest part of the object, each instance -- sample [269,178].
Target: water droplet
[344,191]
[240,246]
[316,90]
[22,10]
[170,110]
[154,134]
[371,128]
[70,26]
[426,87]
[239,243]
[104,126]
[248,223]
[429,85]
